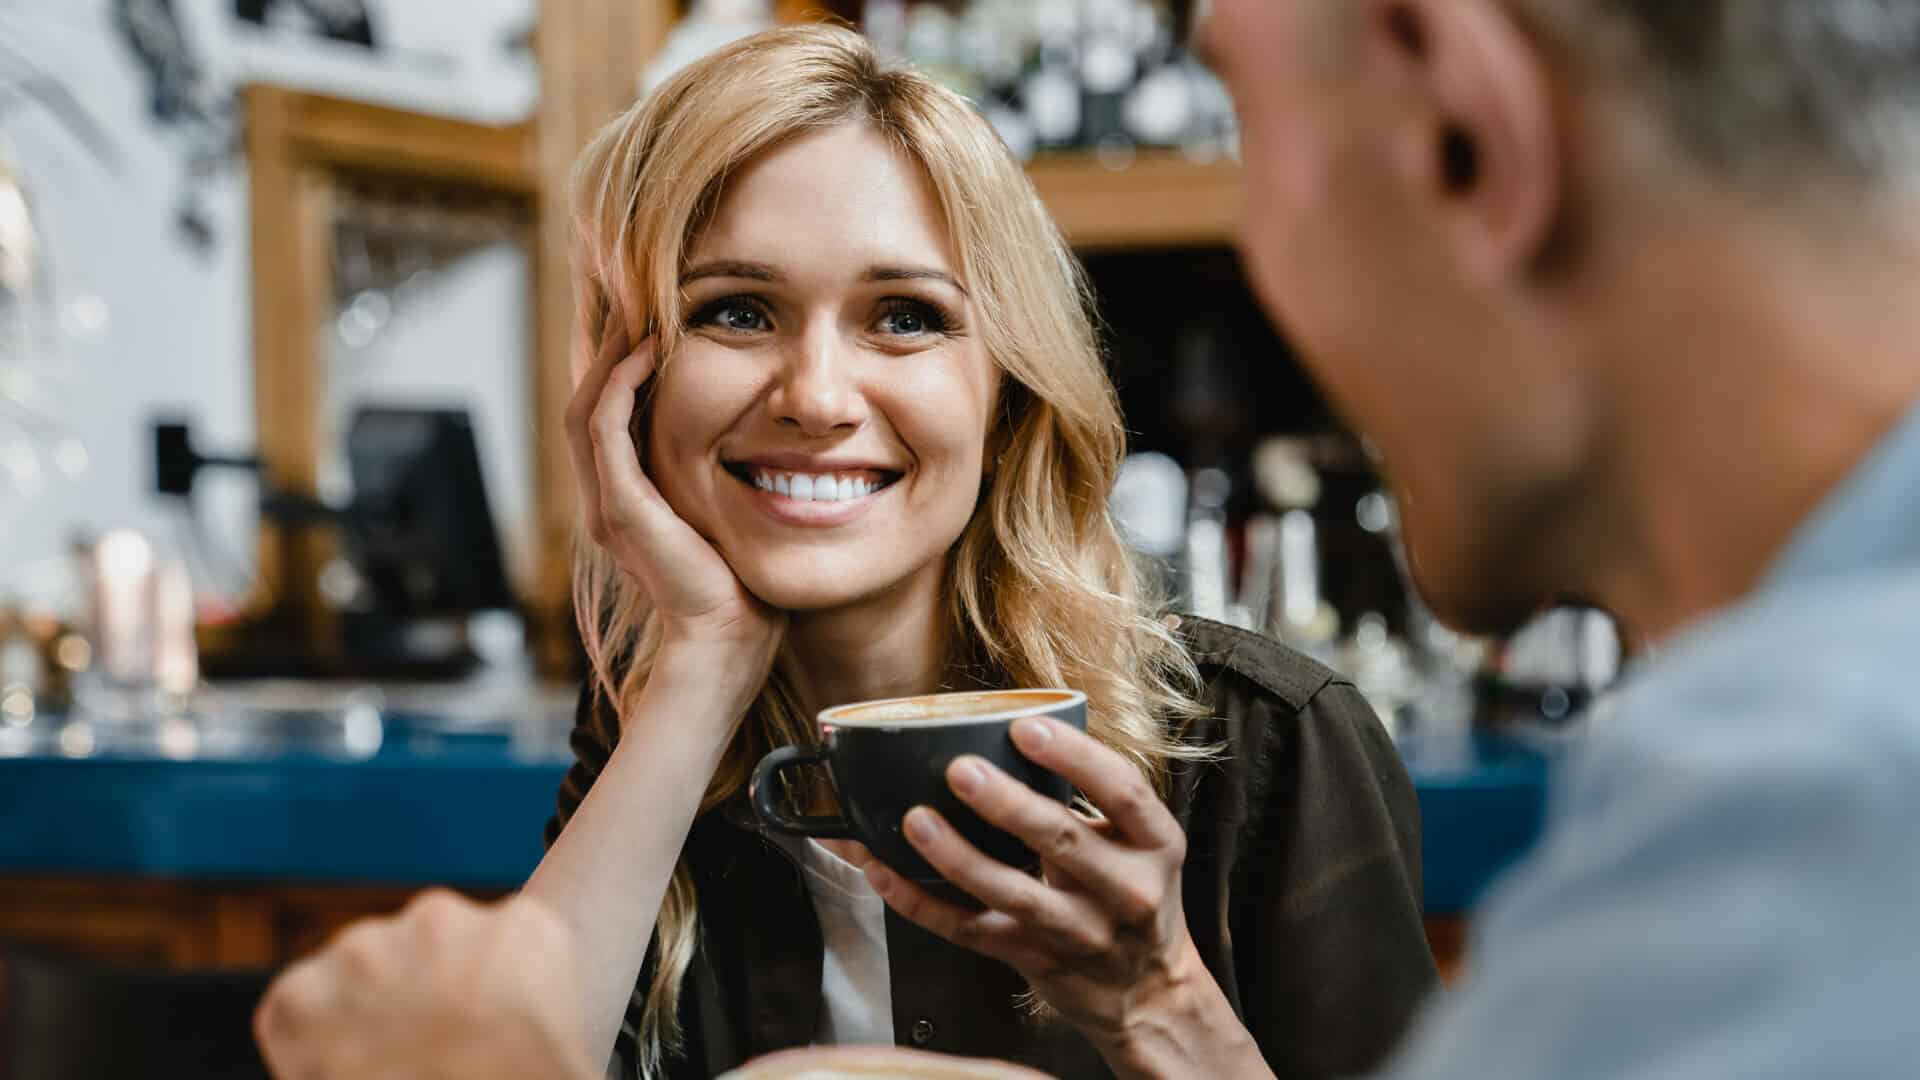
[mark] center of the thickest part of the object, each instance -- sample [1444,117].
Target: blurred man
[1624,291]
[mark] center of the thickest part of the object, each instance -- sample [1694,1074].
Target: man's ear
[1486,150]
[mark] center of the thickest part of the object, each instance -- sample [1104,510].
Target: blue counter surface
[434,806]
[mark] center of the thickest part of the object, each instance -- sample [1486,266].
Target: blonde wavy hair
[1043,591]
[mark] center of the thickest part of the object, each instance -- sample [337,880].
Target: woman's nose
[816,392]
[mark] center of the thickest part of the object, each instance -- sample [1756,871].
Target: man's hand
[448,988]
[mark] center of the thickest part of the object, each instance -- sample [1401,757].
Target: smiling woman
[842,434]
[824,418]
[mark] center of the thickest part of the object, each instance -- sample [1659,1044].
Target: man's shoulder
[1725,882]
[1834,657]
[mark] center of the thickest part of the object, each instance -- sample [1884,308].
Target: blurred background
[285,517]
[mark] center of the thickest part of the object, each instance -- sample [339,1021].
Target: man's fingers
[281,1020]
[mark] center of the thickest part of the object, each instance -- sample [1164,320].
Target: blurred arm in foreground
[448,988]
[451,988]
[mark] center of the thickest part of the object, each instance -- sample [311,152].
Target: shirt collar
[1872,519]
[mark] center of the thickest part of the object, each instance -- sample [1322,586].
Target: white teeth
[815,488]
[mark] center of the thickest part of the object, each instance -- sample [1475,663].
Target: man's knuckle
[286,1005]
[438,911]
[361,949]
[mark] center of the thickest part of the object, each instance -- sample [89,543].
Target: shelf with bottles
[1129,139]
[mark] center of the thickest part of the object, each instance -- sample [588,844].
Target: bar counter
[320,815]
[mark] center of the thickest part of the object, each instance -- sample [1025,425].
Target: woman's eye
[738,316]
[912,320]
[904,322]
[741,317]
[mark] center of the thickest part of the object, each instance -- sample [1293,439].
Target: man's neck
[1757,376]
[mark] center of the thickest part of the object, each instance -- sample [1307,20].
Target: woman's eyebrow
[913,273]
[731,268]
[753,271]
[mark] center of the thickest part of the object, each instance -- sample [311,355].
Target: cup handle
[764,793]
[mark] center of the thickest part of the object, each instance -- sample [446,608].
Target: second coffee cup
[887,757]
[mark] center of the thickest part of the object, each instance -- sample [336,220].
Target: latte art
[946,708]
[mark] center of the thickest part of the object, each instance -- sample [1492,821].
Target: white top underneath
[854,983]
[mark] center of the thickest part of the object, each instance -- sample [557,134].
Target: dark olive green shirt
[1301,886]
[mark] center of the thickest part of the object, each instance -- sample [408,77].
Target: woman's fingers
[592,371]
[1110,782]
[1074,923]
[618,499]
[990,933]
[1129,884]
[624,485]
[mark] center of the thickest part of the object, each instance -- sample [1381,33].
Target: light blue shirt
[1729,880]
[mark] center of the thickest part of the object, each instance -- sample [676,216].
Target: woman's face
[824,419]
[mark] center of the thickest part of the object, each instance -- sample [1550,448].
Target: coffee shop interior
[287,517]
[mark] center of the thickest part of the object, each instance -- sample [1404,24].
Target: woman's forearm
[1184,1027]
[609,869]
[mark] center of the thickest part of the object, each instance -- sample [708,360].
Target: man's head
[1492,227]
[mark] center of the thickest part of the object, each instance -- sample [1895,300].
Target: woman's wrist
[1184,1026]
[701,688]
[723,671]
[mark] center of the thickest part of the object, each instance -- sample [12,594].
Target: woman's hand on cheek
[704,609]
[1101,935]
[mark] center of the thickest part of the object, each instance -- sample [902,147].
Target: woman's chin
[830,578]
[804,597]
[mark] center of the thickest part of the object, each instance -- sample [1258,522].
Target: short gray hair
[1764,90]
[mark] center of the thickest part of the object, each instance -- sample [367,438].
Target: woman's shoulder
[1266,707]
[1231,659]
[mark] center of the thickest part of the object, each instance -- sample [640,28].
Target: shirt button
[922,1031]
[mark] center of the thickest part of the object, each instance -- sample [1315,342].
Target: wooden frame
[1159,200]
[591,56]
[300,148]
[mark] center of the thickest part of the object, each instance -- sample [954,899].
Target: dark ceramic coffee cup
[887,757]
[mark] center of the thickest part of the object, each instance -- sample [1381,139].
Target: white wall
[177,335]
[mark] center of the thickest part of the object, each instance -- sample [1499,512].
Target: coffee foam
[876,1063]
[946,708]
